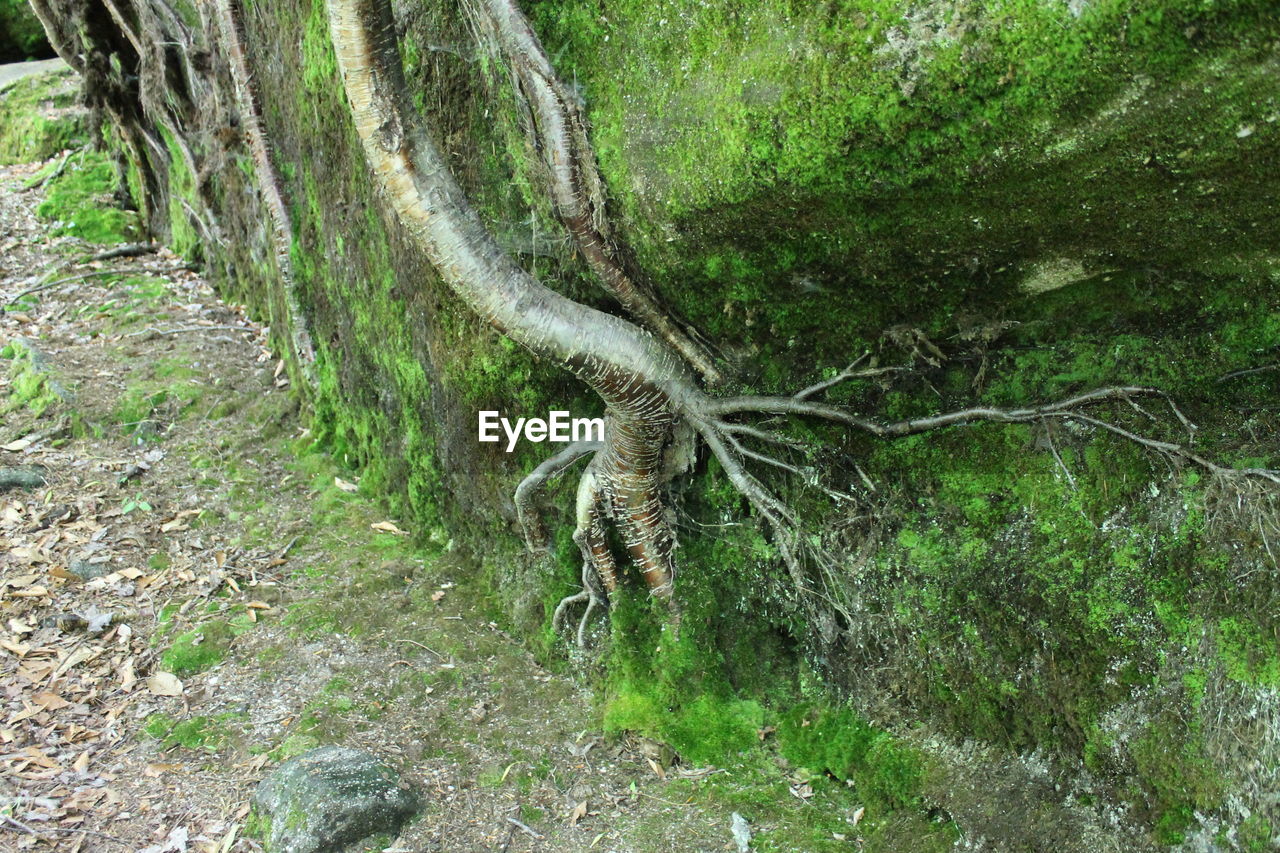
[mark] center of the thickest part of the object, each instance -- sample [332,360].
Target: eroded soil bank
[185,527]
[994,223]
[188,539]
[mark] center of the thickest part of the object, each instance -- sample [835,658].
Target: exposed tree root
[535,532]
[231,29]
[559,132]
[645,372]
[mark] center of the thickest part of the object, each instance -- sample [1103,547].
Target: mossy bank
[1011,201]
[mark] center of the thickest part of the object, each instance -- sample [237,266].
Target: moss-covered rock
[39,117]
[328,798]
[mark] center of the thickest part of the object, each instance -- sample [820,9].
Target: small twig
[764,435]
[1053,448]
[419,645]
[523,827]
[184,329]
[36,183]
[1248,372]
[848,373]
[760,457]
[284,552]
[129,250]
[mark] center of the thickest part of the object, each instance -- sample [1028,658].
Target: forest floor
[195,594]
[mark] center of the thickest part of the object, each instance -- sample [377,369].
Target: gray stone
[328,798]
[28,478]
[87,570]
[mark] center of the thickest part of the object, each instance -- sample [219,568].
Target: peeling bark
[642,382]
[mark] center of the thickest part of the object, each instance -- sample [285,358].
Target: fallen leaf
[30,592]
[345,485]
[76,658]
[81,764]
[164,684]
[388,527]
[857,815]
[50,701]
[578,813]
[35,756]
[127,676]
[229,839]
[175,843]
[18,446]
[17,626]
[155,770]
[437,595]
[258,605]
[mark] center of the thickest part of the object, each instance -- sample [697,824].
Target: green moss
[702,729]
[200,648]
[205,733]
[319,63]
[294,744]
[80,201]
[1250,654]
[30,386]
[903,157]
[134,300]
[183,237]
[1256,835]
[38,118]
[1181,779]
[258,826]
[839,742]
[21,35]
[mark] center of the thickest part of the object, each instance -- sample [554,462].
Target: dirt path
[17,70]
[195,595]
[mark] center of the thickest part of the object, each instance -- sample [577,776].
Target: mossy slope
[1058,195]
